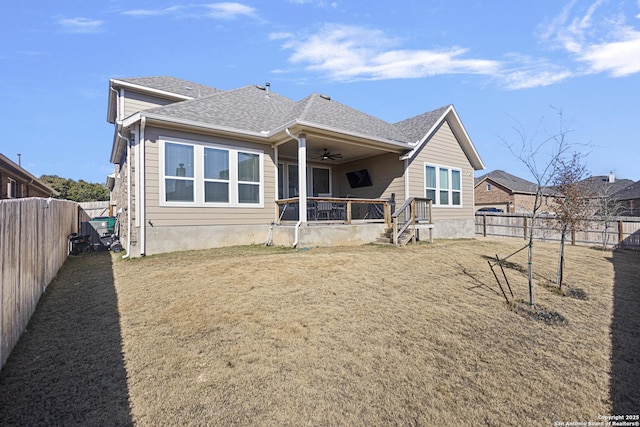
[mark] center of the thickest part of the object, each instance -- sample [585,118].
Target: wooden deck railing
[335,210]
[414,211]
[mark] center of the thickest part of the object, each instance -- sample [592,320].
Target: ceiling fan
[327,155]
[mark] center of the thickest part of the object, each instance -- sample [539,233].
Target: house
[502,191]
[629,198]
[198,167]
[16,182]
[602,193]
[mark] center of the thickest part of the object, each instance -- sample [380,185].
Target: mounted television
[359,178]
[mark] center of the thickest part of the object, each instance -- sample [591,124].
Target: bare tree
[571,202]
[608,208]
[542,158]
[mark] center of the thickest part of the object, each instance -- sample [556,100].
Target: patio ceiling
[350,151]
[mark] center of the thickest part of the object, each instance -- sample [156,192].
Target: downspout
[297,226]
[128,195]
[142,201]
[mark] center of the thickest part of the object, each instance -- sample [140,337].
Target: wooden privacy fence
[618,232]
[33,246]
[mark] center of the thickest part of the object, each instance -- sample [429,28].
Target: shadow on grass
[68,368]
[625,333]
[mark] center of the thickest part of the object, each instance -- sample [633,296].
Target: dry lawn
[370,335]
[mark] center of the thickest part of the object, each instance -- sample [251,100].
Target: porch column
[302,176]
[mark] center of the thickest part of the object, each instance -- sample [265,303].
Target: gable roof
[161,86]
[245,109]
[255,111]
[417,127]
[602,185]
[631,191]
[170,85]
[425,125]
[325,112]
[508,181]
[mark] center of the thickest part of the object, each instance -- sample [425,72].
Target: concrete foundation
[184,238]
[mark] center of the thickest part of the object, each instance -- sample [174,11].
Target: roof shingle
[173,85]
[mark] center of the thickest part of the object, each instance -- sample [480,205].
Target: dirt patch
[348,336]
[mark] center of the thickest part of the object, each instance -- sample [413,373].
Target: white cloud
[80,25]
[224,10]
[355,53]
[153,12]
[600,41]
[230,10]
[619,58]
[320,3]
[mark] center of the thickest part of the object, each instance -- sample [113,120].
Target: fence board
[33,246]
[621,232]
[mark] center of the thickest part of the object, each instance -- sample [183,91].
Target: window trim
[437,188]
[310,166]
[12,194]
[199,179]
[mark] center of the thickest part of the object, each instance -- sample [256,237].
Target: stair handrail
[407,215]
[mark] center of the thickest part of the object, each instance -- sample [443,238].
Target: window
[12,189]
[488,187]
[443,185]
[216,175]
[178,172]
[211,175]
[248,178]
[318,180]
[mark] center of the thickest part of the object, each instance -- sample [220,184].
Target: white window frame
[285,175]
[199,180]
[437,188]
[12,188]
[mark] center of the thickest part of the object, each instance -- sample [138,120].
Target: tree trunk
[559,276]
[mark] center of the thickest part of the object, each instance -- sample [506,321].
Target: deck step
[386,238]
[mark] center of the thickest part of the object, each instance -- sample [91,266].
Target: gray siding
[443,149]
[183,216]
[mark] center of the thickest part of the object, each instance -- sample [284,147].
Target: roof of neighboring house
[18,171]
[510,182]
[631,191]
[601,185]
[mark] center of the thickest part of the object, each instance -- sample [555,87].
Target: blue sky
[504,64]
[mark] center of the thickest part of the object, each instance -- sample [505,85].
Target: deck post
[348,211]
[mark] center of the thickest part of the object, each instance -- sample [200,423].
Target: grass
[371,335]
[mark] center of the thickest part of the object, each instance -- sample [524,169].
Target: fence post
[484,225]
[620,232]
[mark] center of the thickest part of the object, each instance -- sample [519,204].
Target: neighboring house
[509,193]
[198,167]
[604,190]
[16,182]
[629,197]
